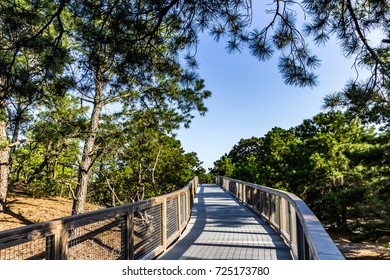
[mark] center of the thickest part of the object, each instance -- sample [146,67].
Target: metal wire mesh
[101,236]
[33,250]
[248,194]
[233,188]
[97,241]
[265,204]
[124,239]
[172,221]
[276,209]
[147,231]
[258,203]
[182,208]
[271,207]
[254,196]
[285,216]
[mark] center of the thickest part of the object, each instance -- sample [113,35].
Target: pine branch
[17,143]
[364,40]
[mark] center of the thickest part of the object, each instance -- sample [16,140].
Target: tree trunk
[141,186]
[153,173]
[87,158]
[4,160]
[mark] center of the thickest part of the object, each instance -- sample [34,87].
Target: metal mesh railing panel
[285,216]
[117,233]
[123,239]
[276,210]
[147,231]
[258,201]
[249,196]
[233,188]
[265,204]
[32,250]
[172,224]
[288,220]
[182,208]
[253,197]
[97,241]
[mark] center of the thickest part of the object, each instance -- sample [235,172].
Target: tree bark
[141,186]
[4,161]
[153,173]
[89,147]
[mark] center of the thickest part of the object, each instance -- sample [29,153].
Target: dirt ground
[24,210]
[363,250]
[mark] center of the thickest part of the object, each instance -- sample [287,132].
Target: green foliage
[31,53]
[371,104]
[48,165]
[150,165]
[97,86]
[135,158]
[223,167]
[339,166]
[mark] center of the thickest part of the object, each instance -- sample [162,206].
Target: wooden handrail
[132,231]
[289,215]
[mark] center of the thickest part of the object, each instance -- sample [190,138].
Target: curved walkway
[221,228]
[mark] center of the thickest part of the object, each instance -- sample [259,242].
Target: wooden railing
[140,230]
[287,214]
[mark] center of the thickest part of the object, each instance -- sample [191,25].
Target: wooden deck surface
[221,228]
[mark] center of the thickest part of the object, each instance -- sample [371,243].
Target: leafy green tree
[246,148]
[338,165]
[47,163]
[245,159]
[150,164]
[223,167]
[248,169]
[126,57]
[275,163]
[322,165]
[366,201]
[32,56]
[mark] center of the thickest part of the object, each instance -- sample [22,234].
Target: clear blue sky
[250,98]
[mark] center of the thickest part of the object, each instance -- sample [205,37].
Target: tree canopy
[336,164]
[107,64]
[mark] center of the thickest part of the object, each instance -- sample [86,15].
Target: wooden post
[280,212]
[282,220]
[129,235]
[61,243]
[293,232]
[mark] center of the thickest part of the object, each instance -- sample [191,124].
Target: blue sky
[250,98]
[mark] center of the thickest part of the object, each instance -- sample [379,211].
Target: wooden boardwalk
[221,228]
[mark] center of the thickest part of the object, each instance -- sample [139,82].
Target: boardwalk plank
[221,228]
